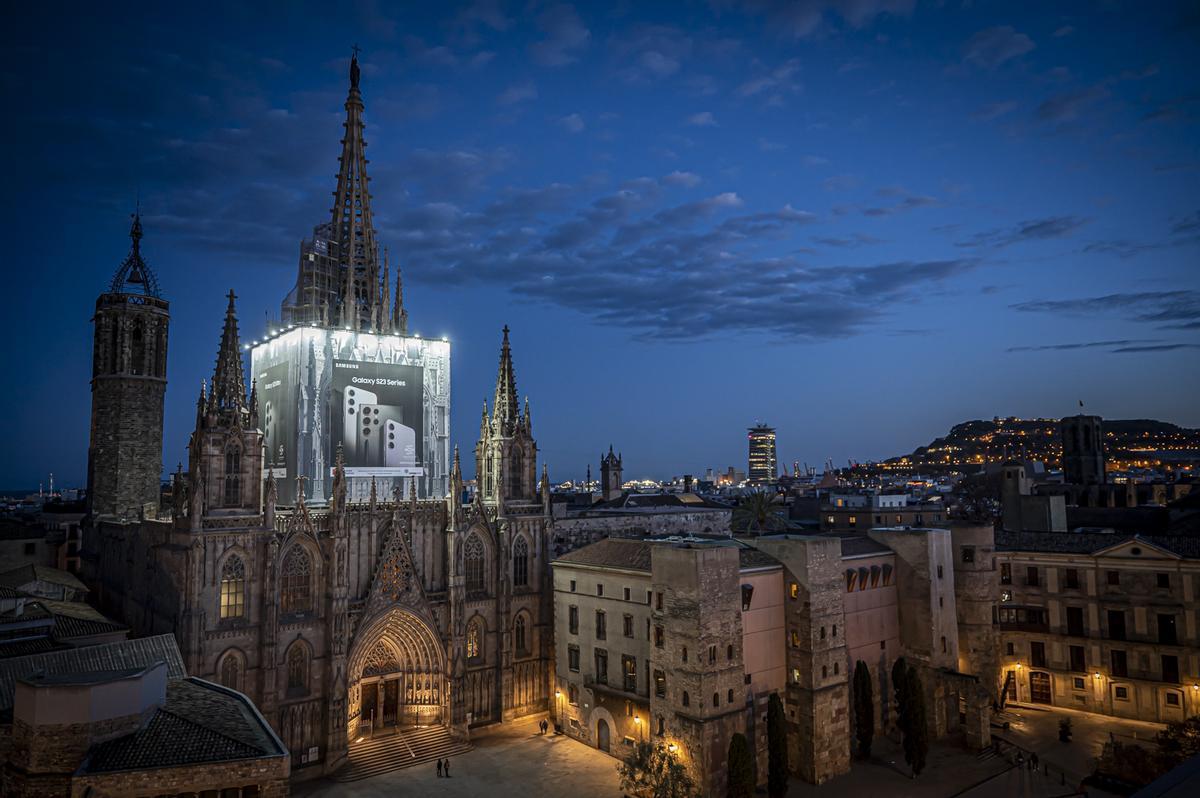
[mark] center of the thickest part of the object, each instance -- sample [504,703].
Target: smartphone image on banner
[400,448]
[352,401]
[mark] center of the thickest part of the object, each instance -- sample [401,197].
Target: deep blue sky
[859,220]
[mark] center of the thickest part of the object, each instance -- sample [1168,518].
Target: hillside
[1129,443]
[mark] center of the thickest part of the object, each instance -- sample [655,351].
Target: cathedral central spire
[340,279]
[229,384]
[504,407]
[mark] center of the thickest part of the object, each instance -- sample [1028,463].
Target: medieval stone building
[339,620]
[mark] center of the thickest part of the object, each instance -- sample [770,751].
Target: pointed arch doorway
[397,676]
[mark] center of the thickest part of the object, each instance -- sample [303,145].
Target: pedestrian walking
[446,767]
[1034,759]
[439,767]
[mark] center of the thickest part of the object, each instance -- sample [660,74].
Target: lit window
[475,639]
[233,588]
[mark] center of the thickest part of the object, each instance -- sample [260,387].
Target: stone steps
[385,754]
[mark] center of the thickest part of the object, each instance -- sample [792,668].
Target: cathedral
[344,595]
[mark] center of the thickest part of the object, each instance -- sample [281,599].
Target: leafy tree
[755,514]
[916,731]
[652,771]
[1133,764]
[741,768]
[864,709]
[777,764]
[1179,741]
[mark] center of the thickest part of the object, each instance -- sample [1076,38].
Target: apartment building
[1101,622]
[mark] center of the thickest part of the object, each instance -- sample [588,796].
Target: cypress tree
[777,764]
[916,732]
[741,768]
[864,709]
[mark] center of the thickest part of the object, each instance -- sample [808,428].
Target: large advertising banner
[376,418]
[383,399]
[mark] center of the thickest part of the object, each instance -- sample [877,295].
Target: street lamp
[558,708]
[637,721]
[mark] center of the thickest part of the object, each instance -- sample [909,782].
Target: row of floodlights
[276,333]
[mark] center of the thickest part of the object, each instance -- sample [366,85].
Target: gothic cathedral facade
[337,619]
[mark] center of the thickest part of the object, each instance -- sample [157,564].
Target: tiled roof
[633,554]
[1091,542]
[630,554]
[859,545]
[27,646]
[40,573]
[105,657]
[200,722]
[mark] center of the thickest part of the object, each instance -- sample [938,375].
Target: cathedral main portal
[397,675]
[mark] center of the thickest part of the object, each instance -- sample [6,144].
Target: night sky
[861,221]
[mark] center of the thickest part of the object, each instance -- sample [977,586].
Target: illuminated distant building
[762,465]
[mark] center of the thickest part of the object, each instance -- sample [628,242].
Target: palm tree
[755,514]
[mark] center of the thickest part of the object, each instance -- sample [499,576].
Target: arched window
[685,653]
[487,475]
[295,582]
[520,562]
[729,699]
[520,642]
[687,700]
[716,700]
[729,652]
[233,588]
[514,473]
[233,477]
[473,563]
[137,351]
[297,669]
[475,639]
[231,671]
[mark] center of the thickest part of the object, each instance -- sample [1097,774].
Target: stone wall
[576,532]
[818,695]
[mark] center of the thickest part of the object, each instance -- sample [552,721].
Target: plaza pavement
[511,761]
[514,761]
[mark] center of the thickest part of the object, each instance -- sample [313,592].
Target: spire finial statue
[355,73]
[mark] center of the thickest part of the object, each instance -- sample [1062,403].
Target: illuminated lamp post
[557,709]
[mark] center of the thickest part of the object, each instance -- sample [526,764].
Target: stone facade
[1101,622]
[344,620]
[129,379]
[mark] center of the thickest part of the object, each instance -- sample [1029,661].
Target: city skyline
[869,221]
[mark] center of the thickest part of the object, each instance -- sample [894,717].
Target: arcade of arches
[397,675]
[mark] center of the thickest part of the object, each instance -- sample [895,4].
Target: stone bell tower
[129,381]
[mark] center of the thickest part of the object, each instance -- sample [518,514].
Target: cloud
[994,110]
[565,37]
[843,182]
[1065,30]
[1187,225]
[906,201]
[702,119]
[853,241]
[518,92]
[776,81]
[813,161]
[1066,107]
[443,175]
[648,53]
[1032,230]
[1176,310]
[684,179]
[421,53]
[572,122]
[991,47]
[1123,342]
[800,19]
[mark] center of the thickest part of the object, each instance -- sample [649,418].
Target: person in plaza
[439,767]
[1033,758]
[446,767]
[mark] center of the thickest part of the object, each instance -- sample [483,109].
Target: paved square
[511,762]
